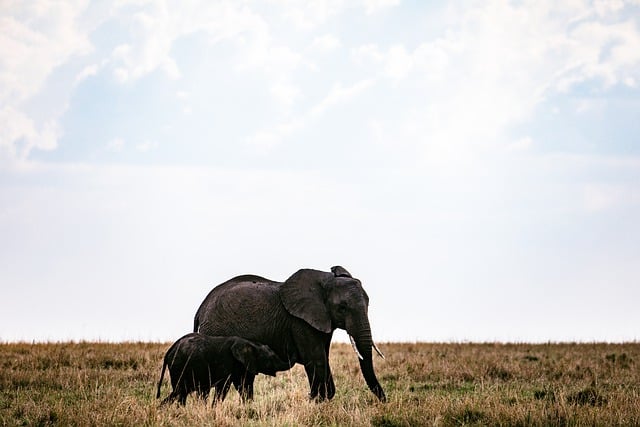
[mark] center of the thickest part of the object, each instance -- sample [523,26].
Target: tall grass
[426,384]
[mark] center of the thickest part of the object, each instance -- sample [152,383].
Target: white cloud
[116,145]
[521,144]
[607,7]
[269,58]
[368,51]
[340,95]
[14,126]
[284,92]
[20,135]
[155,26]
[88,71]
[35,39]
[153,36]
[497,61]
[399,63]
[145,147]
[38,37]
[277,63]
[309,14]
[609,51]
[488,68]
[183,97]
[429,60]
[325,43]
[266,139]
[374,6]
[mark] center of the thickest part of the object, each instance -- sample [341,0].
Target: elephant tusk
[378,350]
[353,344]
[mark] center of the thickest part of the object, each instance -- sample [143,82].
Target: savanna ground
[426,384]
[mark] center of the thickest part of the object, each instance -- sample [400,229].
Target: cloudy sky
[475,164]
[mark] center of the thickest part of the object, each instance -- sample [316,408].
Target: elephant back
[246,306]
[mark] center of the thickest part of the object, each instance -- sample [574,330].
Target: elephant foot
[379,394]
[320,396]
[169,399]
[317,398]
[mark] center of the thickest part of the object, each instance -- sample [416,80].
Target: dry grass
[426,384]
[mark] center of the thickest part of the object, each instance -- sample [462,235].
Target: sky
[475,164]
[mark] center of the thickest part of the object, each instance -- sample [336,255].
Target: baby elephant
[200,362]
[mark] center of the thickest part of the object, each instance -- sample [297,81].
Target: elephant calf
[199,362]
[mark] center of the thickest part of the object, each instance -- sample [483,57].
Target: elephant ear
[340,271]
[303,296]
[245,353]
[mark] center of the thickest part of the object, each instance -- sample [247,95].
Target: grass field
[426,384]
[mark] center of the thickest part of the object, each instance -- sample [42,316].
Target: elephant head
[327,301]
[257,358]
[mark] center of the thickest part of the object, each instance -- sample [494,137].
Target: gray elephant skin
[296,318]
[199,363]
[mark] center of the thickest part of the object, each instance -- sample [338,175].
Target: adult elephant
[296,319]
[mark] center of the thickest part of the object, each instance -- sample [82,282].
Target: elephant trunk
[363,346]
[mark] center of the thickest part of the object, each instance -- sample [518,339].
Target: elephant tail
[164,365]
[196,322]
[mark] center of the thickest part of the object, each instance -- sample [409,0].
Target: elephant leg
[202,388]
[313,349]
[179,393]
[182,399]
[169,399]
[222,388]
[331,386]
[244,385]
[318,375]
[203,394]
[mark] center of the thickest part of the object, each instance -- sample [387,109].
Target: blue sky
[475,164]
